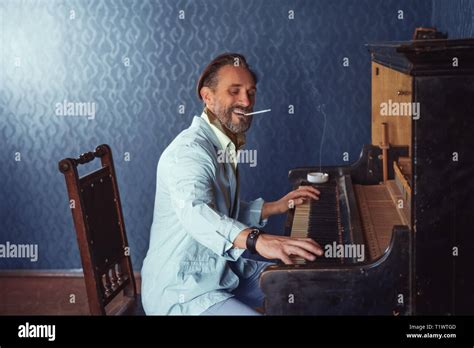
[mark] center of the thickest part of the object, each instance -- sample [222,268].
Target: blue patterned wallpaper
[456,17]
[137,62]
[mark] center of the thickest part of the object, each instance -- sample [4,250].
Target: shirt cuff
[230,251]
[255,212]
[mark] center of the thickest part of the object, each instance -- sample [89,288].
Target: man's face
[235,90]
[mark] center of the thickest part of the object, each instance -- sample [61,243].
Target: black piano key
[323,223]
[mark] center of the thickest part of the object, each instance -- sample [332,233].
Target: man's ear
[207,96]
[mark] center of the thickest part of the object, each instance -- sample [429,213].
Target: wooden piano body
[414,219]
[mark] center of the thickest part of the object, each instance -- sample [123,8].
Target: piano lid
[426,57]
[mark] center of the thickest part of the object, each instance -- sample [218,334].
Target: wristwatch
[252,240]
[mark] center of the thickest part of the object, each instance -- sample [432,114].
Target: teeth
[239,112]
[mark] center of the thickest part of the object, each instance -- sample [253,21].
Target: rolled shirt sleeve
[250,213]
[191,179]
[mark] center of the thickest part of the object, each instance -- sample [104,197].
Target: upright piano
[396,226]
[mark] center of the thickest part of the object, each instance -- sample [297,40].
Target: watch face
[254,233]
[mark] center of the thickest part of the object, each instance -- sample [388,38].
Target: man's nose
[244,99]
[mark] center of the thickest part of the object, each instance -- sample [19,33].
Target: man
[200,226]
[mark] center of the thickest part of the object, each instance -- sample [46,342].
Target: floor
[49,292]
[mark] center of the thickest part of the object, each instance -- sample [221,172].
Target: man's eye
[234,92]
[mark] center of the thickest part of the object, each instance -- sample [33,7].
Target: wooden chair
[96,209]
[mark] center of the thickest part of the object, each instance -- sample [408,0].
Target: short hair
[208,77]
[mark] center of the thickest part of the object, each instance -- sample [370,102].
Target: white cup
[318,177]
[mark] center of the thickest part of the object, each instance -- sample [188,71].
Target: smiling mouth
[239,112]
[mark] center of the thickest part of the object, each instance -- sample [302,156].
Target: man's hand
[291,200]
[279,247]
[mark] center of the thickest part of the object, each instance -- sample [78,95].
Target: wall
[138,62]
[456,17]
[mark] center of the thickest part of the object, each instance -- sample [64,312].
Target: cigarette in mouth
[257,112]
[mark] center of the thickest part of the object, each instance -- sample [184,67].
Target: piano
[394,226]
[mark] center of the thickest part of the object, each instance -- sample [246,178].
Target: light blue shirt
[196,218]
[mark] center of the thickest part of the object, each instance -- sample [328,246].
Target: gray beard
[237,129]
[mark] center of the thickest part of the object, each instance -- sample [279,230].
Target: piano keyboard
[348,214]
[319,220]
